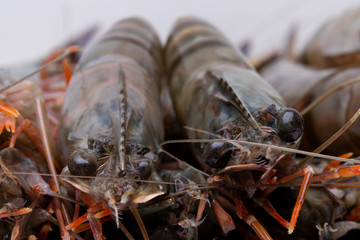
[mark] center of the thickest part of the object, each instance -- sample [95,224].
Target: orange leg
[240,208]
[265,204]
[308,174]
[87,200]
[64,232]
[15,212]
[8,110]
[7,122]
[77,206]
[102,214]
[224,219]
[29,129]
[270,179]
[250,219]
[201,208]
[350,171]
[86,226]
[83,218]
[80,220]
[10,124]
[2,124]
[67,70]
[95,227]
[23,125]
[310,177]
[55,55]
[336,163]
[79,224]
[257,227]
[44,231]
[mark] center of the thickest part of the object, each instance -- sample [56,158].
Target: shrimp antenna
[62,215]
[328,93]
[331,139]
[238,142]
[178,159]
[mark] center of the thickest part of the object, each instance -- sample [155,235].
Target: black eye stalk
[290,125]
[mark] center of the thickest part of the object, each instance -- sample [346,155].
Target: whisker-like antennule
[238,142]
[178,193]
[46,139]
[328,93]
[327,157]
[331,139]
[100,177]
[139,221]
[200,186]
[67,51]
[181,161]
[202,131]
[54,194]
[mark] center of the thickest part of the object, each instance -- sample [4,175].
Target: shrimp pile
[132,139]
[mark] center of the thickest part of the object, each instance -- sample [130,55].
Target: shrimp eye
[217,154]
[290,125]
[82,162]
[144,170]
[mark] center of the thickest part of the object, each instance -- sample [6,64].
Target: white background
[31,29]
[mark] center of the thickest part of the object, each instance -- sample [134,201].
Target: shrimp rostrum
[111,119]
[216,90]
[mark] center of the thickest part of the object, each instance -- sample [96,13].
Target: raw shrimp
[112,122]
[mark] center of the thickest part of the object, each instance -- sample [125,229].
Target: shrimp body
[111,119]
[215,89]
